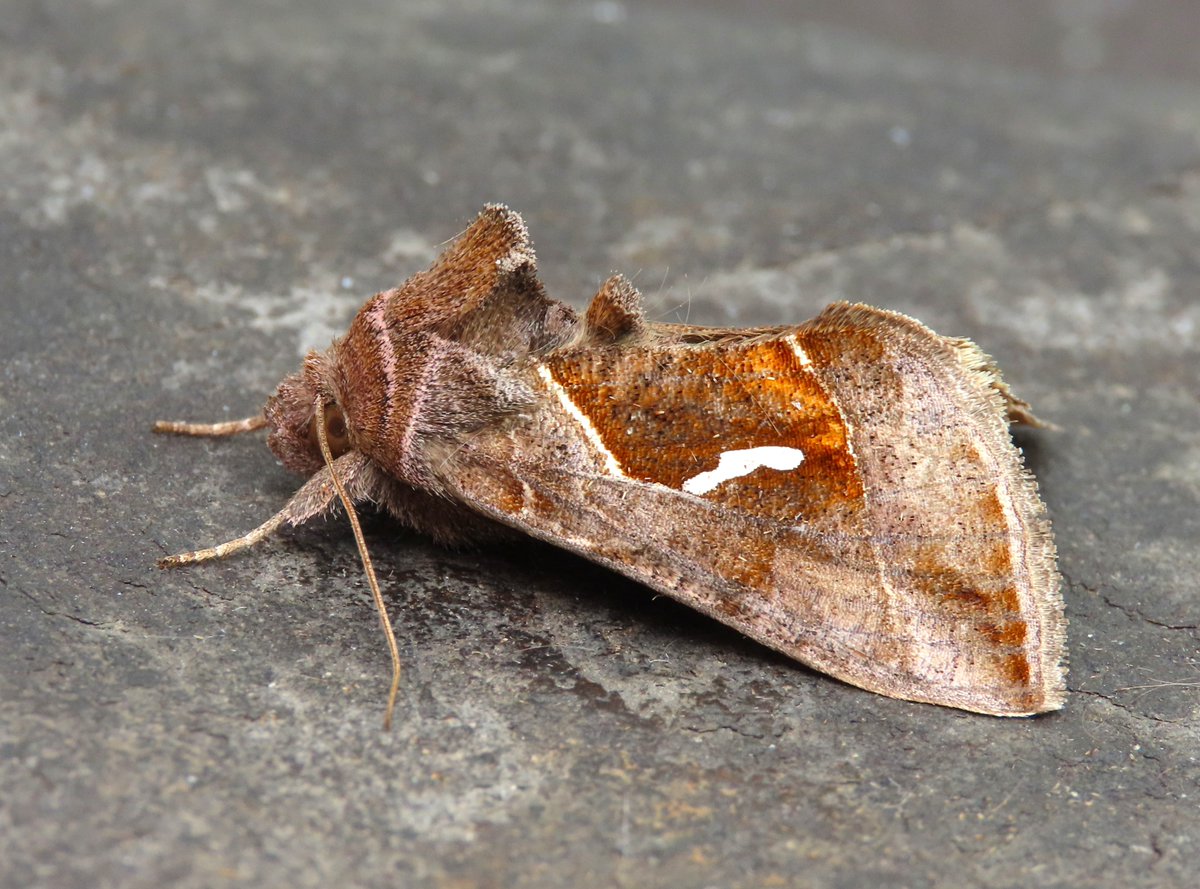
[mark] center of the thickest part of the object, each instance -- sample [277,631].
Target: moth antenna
[229,547]
[366,561]
[213,430]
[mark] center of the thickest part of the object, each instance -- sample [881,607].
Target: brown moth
[844,491]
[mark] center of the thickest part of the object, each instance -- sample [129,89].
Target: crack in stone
[51,613]
[1128,610]
[1111,700]
[727,727]
[1133,613]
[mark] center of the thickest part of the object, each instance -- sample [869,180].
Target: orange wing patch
[744,424]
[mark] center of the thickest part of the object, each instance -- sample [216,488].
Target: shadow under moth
[844,491]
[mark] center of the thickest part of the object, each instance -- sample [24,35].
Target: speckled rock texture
[193,194]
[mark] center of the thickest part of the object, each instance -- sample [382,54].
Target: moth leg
[229,547]
[316,497]
[975,361]
[213,430]
[1020,412]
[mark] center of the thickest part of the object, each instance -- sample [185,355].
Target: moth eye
[336,433]
[335,426]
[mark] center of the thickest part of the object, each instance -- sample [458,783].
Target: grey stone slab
[193,194]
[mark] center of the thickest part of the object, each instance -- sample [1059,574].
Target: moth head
[292,417]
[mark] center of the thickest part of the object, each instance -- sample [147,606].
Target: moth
[844,491]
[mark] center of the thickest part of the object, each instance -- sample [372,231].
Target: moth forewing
[890,539]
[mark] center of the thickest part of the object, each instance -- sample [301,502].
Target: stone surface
[193,194]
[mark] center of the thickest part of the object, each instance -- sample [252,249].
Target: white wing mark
[735,464]
[611,464]
[805,361]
